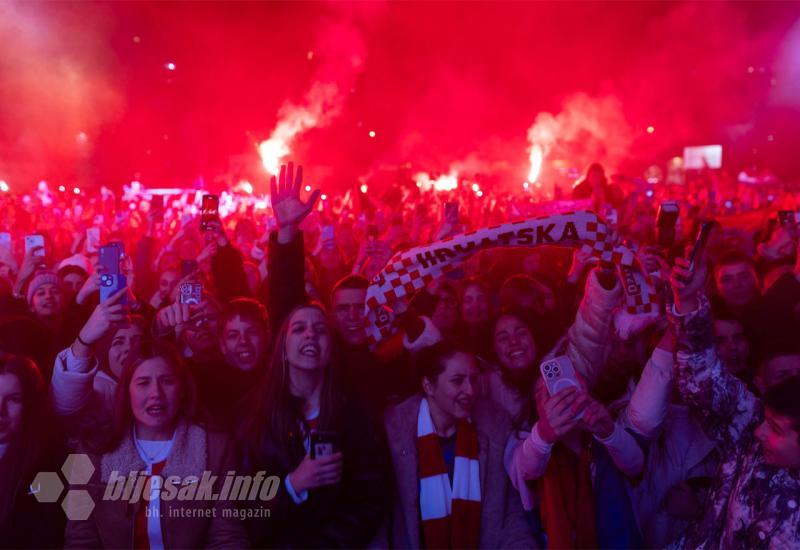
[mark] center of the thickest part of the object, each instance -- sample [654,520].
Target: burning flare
[536,158]
[445,182]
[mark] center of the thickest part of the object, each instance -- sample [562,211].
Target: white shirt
[153,452]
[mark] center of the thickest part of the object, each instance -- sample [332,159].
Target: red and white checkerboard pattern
[405,274]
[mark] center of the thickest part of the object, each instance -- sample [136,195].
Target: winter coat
[751,504]
[503,524]
[184,522]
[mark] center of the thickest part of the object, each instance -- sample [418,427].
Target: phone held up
[666,220]
[191,293]
[559,374]
[34,241]
[209,212]
[111,279]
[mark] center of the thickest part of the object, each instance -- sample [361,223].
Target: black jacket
[346,515]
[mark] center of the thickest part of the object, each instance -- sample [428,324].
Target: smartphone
[700,243]
[5,240]
[666,219]
[559,374]
[191,293]
[92,240]
[188,267]
[372,232]
[32,241]
[323,443]
[109,257]
[110,284]
[209,211]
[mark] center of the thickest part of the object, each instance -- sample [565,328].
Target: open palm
[289,209]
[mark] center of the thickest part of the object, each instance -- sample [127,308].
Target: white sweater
[76,382]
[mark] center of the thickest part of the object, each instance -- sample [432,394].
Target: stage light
[324,197]
[136,39]
[4,186]
[364,188]
[62,188]
[372,133]
[76,190]
[650,129]
[480,193]
[308,189]
[170,66]
[310,55]
[525,185]
[476,187]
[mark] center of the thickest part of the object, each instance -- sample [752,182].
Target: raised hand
[687,284]
[89,287]
[106,316]
[560,412]
[289,210]
[174,315]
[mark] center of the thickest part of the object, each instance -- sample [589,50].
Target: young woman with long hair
[28,445]
[303,427]
[156,434]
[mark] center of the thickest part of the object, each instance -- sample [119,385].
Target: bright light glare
[76,190]
[364,188]
[372,133]
[536,158]
[3,186]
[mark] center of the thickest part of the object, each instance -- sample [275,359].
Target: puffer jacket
[587,344]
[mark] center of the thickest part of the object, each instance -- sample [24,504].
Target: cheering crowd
[517,402]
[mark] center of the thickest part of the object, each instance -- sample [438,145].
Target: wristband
[84,343]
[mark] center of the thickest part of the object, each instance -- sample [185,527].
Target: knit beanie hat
[77,260]
[41,278]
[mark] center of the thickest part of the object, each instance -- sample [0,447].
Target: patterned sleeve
[722,403]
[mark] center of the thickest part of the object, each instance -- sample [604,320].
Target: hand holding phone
[700,243]
[666,220]
[191,293]
[109,257]
[92,240]
[323,443]
[110,285]
[34,244]
[317,471]
[209,212]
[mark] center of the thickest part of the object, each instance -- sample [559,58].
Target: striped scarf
[451,515]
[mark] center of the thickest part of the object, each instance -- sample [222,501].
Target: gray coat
[503,523]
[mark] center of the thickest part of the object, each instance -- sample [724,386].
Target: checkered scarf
[451,514]
[410,270]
